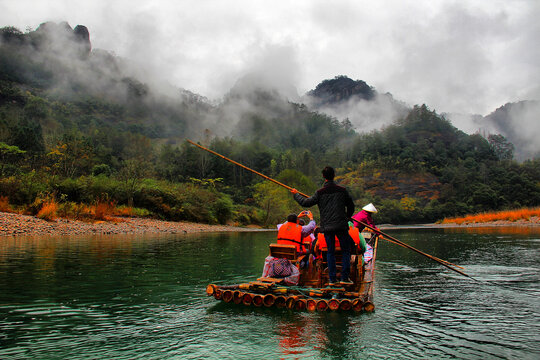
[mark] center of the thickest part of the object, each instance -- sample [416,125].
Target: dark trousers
[345,241]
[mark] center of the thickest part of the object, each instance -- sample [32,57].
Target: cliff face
[62,39]
[50,38]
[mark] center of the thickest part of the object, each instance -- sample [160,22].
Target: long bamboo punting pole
[433,257]
[243,166]
[442,262]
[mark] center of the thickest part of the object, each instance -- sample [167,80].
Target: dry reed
[506,215]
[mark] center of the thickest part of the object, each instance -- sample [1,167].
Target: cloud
[455,56]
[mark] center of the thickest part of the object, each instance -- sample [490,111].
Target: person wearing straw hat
[365,216]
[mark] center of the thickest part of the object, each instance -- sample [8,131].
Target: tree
[273,200]
[8,154]
[503,148]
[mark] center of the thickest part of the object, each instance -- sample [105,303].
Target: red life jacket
[290,234]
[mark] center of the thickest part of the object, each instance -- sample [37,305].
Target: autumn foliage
[48,210]
[508,215]
[4,204]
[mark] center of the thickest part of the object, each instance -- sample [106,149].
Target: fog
[458,57]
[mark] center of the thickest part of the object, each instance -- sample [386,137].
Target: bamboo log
[210,289]
[322,305]
[300,304]
[357,305]
[311,305]
[280,301]
[369,306]
[345,304]
[333,304]
[291,300]
[217,294]
[247,299]
[257,300]
[237,296]
[280,290]
[227,296]
[269,300]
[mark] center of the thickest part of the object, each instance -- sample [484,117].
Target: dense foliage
[62,135]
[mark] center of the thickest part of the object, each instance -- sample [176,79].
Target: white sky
[455,56]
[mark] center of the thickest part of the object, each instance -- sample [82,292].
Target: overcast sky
[455,56]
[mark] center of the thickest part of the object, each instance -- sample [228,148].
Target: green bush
[223,208]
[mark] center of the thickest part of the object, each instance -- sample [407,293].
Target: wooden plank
[270,280]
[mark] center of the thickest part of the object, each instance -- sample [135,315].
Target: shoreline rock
[23,225]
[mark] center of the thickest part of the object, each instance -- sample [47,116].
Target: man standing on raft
[336,207]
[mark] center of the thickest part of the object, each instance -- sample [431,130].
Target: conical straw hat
[370,207]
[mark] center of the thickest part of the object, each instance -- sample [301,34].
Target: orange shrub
[123,211]
[103,209]
[4,204]
[48,210]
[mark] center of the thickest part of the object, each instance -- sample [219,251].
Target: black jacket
[335,205]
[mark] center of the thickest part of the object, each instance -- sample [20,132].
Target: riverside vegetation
[81,137]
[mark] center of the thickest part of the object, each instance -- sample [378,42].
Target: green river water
[143,297]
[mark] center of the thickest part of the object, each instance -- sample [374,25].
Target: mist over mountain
[361,104]
[59,60]
[520,124]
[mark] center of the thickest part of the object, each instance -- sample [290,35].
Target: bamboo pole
[444,263]
[433,257]
[243,166]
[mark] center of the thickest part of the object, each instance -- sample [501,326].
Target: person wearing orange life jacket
[290,232]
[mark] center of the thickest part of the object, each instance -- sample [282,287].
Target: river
[143,297]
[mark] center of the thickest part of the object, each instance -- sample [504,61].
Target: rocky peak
[340,89]
[61,38]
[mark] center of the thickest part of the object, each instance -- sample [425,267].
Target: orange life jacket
[290,234]
[321,241]
[355,234]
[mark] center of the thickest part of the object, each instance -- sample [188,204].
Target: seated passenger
[364,216]
[290,232]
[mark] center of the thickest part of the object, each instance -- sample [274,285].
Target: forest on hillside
[77,127]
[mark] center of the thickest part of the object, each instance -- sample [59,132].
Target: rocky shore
[23,225]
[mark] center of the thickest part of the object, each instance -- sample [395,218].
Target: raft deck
[312,293]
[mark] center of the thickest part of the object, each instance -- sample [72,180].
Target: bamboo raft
[312,292]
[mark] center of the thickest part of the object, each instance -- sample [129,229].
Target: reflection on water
[144,297]
[494,230]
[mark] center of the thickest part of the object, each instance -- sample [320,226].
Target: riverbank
[24,225]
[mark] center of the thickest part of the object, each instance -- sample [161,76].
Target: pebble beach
[23,225]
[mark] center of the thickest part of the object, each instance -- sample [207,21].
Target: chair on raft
[284,251]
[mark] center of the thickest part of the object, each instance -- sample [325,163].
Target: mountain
[356,101]
[519,122]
